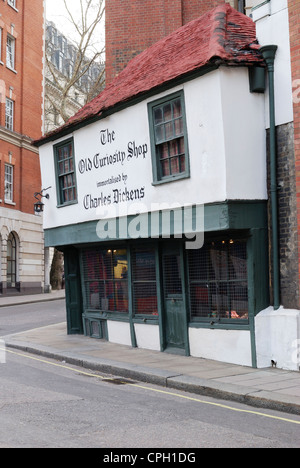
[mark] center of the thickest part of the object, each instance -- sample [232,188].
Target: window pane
[9,114]
[169,130]
[10,52]
[8,183]
[167,112]
[173,148]
[238,260]
[218,280]
[164,151]
[178,124]
[105,280]
[175,166]
[144,281]
[165,168]
[177,112]
[158,116]
[172,274]
[159,133]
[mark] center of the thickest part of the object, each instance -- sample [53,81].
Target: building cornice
[16,139]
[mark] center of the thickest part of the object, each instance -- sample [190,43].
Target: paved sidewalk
[266,388]
[28,299]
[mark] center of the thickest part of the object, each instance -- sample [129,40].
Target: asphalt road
[49,404]
[15,319]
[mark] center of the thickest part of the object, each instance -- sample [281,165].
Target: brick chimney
[134,25]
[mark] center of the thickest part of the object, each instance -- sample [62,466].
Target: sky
[55,12]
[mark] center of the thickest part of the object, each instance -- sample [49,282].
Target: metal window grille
[218,280]
[144,281]
[172,275]
[105,280]
[94,328]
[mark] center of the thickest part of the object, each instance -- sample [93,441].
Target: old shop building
[175,144]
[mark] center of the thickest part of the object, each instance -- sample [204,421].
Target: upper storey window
[169,138]
[10,52]
[65,173]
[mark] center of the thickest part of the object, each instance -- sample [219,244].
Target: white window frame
[8,183]
[10,52]
[9,114]
[12,3]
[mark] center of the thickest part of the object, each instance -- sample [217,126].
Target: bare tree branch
[86,56]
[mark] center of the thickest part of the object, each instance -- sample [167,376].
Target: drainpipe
[268,53]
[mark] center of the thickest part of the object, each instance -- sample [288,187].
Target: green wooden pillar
[74,303]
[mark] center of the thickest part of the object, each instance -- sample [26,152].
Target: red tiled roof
[222,35]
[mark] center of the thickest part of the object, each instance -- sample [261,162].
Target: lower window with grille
[105,280]
[218,281]
[144,290]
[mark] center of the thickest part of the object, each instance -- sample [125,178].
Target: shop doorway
[175,320]
[11,261]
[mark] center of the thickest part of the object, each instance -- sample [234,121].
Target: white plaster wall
[245,136]
[119,332]
[273,29]
[277,336]
[232,346]
[222,166]
[147,336]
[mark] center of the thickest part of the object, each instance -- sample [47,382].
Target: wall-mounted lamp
[39,205]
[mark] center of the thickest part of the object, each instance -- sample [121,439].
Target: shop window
[105,280]
[169,144]
[65,173]
[144,281]
[218,281]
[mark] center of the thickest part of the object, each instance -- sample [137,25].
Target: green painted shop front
[222,285]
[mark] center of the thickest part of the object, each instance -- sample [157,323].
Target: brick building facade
[144,24]
[294,20]
[21,111]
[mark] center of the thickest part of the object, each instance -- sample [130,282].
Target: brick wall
[24,86]
[132,26]
[294,19]
[287,216]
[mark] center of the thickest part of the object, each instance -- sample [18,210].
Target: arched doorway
[11,272]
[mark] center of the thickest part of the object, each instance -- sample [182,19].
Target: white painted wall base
[147,336]
[232,346]
[119,332]
[277,335]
